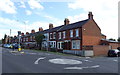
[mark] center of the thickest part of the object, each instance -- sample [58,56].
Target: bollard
[19,48]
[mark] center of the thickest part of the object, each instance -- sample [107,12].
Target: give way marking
[36,62]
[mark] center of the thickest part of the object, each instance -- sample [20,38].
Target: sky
[25,15]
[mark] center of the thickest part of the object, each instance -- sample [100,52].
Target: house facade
[76,38]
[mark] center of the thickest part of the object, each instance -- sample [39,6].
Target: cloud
[8,7]
[15,26]
[35,4]
[104,11]
[22,5]
[28,12]
[55,21]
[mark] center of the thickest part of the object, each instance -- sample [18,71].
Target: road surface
[30,61]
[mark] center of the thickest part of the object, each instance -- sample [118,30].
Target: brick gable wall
[91,33]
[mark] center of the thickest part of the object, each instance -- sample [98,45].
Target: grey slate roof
[61,28]
[73,25]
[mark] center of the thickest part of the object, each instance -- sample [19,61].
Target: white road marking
[87,57]
[64,61]
[80,68]
[115,60]
[36,62]
[87,60]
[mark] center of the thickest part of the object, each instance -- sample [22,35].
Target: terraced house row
[80,38]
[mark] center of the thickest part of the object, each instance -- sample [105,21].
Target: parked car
[7,45]
[113,52]
[15,45]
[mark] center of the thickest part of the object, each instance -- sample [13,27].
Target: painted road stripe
[36,62]
[80,68]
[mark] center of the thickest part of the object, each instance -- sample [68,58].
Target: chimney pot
[22,34]
[40,29]
[90,15]
[27,33]
[50,26]
[33,31]
[66,21]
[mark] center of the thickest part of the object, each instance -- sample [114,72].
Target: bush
[53,49]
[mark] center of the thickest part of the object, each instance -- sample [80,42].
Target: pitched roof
[61,28]
[73,25]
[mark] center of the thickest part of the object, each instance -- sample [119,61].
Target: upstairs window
[64,34]
[54,35]
[27,39]
[31,38]
[50,35]
[77,32]
[71,33]
[59,35]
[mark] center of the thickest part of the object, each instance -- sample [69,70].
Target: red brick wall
[91,33]
[100,50]
[103,37]
[114,45]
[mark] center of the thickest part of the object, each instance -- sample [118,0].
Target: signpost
[19,47]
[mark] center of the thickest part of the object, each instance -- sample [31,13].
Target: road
[30,61]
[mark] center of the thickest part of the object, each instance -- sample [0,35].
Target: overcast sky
[16,14]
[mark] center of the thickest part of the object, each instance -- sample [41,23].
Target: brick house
[72,37]
[77,38]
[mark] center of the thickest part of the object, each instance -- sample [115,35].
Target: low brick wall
[100,50]
[114,45]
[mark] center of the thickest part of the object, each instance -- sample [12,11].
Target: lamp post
[19,47]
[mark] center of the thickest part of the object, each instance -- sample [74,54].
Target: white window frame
[53,44]
[50,36]
[71,33]
[75,44]
[64,34]
[77,32]
[59,45]
[26,38]
[59,35]
[54,33]
[33,38]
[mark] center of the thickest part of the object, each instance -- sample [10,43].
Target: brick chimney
[50,26]
[33,31]
[22,34]
[40,29]
[27,33]
[90,15]
[66,21]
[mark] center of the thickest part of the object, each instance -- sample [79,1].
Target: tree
[118,39]
[112,39]
[39,39]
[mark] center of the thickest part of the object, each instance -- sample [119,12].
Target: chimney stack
[22,34]
[66,21]
[27,33]
[90,15]
[33,31]
[40,29]
[50,26]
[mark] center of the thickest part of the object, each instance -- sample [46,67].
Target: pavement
[29,61]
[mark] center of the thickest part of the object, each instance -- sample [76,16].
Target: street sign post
[19,47]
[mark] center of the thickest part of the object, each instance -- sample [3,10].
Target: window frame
[71,33]
[77,32]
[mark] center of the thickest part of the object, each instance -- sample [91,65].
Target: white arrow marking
[36,62]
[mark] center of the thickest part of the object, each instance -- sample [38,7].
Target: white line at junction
[36,62]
